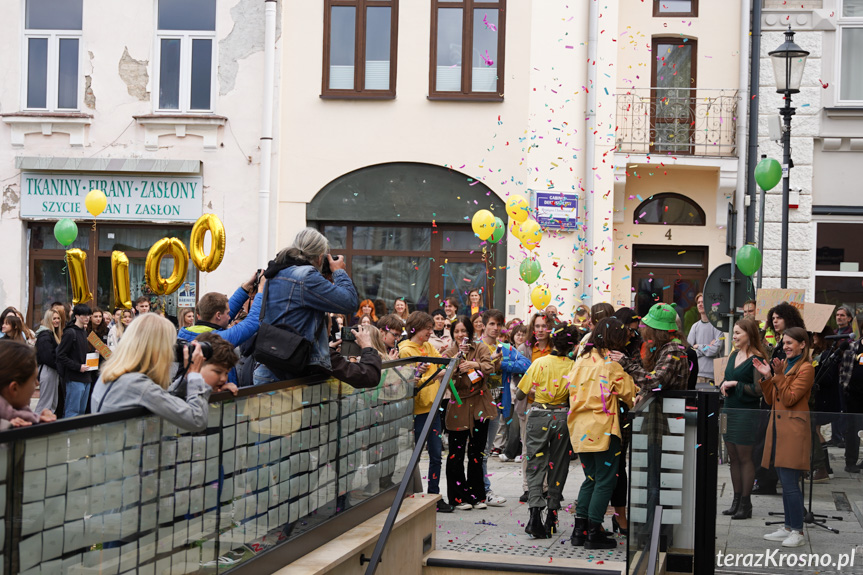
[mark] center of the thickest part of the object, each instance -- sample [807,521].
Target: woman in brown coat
[788,442]
[467,417]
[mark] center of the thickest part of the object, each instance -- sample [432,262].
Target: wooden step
[461,563]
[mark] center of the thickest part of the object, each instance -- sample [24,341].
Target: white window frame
[825,273]
[186,38]
[844,23]
[53,68]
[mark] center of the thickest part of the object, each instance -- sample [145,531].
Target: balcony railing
[677,121]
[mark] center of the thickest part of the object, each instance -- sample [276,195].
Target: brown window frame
[467,7]
[693,12]
[92,262]
[359,91]
[693,86]
[437,252]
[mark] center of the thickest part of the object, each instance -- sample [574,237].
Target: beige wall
[698,184]
[717,30]
[534,139]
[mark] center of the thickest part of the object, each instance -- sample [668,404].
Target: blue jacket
[235,335]
[299,296]
[512,362]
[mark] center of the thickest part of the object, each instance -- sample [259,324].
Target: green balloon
[748,260]
[65,231]
[768,173]
[499,231]
[529,270]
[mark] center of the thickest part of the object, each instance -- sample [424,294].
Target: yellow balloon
[483,224]
[162,248]
[517,208]
[515,229]
[207,262]
[120,277]
[96,201]
[76,260]
[531,234]
[540,296]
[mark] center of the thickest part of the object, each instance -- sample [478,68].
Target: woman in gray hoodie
[138,374]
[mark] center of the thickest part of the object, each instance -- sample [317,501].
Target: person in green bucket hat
[663,363]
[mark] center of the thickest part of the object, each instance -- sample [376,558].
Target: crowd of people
[543,391]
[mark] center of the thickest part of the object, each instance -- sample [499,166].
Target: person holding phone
[467,419]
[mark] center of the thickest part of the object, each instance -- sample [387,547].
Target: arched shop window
[669,209]
[404,229]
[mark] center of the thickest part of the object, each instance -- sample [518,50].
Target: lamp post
[789,59]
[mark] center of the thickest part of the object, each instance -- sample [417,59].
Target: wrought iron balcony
[677,121]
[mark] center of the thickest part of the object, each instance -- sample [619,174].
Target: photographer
[138,374]
[299,296]
[851,380]
[215,312]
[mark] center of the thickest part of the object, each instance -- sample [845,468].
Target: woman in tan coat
[467,418]
[788,442]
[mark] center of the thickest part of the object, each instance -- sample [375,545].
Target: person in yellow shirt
[419,327]
[546,435]
[597,386]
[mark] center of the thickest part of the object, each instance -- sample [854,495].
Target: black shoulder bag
[280,347]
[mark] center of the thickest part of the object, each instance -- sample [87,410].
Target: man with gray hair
[843,320]
[300,297]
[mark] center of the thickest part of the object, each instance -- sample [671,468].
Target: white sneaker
[480,505]
[780,534]
[518,458]
[464,506]
[796,539]
[494,500]
[503,458]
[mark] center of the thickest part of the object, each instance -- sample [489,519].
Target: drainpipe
[740,193]
[752,157]
[590,156]
[264,231]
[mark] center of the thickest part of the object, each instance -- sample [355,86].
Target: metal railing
[677,121]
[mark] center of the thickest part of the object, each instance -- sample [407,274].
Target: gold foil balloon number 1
[120,276]
[76,263]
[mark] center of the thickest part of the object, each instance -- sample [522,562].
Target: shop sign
[130,197]
[556,210]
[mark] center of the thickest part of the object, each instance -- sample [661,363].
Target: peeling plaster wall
[117,83]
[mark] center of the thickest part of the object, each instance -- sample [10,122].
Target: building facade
[157,103]
[827,144]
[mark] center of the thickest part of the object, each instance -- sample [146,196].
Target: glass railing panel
[820,444]
[142,494]
[663,474]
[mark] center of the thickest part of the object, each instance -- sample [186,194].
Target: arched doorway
[404,229]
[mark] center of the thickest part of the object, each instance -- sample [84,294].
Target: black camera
[258,275]
[206,350]
[348,334]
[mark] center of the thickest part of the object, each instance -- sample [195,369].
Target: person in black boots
[851,380]
[742,397]
[782,317]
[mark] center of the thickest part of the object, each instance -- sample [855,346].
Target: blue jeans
[792,497]
[434,446]
[76,397]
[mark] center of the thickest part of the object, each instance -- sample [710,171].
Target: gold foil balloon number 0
[203,261]
[166,247]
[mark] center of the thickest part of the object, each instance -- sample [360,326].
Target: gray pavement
[500,530]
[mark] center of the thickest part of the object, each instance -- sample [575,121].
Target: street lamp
[789,59]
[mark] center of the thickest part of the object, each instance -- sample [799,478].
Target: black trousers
[621,489]
[470,488]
